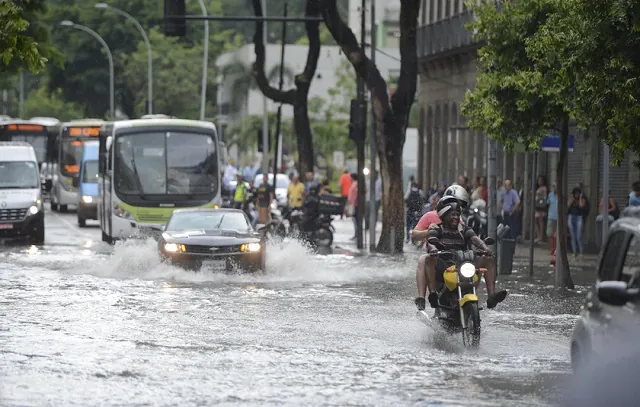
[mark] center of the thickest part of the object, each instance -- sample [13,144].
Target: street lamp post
[203,95]
[68,23]
[147,43]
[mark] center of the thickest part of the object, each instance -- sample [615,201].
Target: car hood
[211,237]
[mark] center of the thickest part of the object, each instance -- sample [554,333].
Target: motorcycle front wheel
[471,334]
[323,237]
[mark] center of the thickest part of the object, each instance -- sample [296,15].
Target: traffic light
[175,27]
[260,149]
[357,121]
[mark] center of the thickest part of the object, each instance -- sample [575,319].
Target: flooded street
[83,323]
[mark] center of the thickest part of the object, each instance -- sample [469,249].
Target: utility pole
[265,113]
[279,119]
[532,210]
[21,106]
[205,63]
[373,213]
[492,221]
[361,136]
[605,194]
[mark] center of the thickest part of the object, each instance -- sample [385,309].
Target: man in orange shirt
[345,186]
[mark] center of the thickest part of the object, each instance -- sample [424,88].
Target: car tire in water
[471,335]
[37,237]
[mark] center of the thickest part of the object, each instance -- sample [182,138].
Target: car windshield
[282,181]
[71,155]
[38,141]
[236,221]
[18,175]
[161,163]
[90,173]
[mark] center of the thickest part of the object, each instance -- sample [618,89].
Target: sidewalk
[342,239]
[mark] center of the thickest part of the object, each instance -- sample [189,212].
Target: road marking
[71,225]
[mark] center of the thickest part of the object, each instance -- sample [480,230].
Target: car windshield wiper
[135,172]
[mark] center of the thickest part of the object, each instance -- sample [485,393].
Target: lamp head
[67,23]
[102,6]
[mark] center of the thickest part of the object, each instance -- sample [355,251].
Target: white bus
[149,167]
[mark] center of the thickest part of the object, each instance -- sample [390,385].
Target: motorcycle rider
[311,209]
[453,236]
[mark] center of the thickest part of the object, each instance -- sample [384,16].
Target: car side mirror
[489,241]
[616,293]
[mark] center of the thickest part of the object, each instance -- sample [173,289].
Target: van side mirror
[616,293]
[158,228]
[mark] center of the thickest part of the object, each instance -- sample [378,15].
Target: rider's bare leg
[490,280]
[430,271]
[421,277]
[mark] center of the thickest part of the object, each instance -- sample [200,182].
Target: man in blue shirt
[634,196]
[510,207]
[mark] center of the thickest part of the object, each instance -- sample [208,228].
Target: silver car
[612,306]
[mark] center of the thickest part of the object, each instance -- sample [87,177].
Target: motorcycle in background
[476,218]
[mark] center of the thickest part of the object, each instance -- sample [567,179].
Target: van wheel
[37,237]
[82,222]
[54,206]
[63,208]
[106,238]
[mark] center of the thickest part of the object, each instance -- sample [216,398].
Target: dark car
[218,238]
[612,306]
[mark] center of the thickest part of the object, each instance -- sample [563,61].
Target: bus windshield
[90,173]
[70,157]
[37,140]
[165,163]
[18,175]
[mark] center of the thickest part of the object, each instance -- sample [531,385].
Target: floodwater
[83,323]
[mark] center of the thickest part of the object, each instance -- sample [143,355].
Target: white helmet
[459,193]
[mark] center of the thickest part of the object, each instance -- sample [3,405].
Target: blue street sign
[552,143]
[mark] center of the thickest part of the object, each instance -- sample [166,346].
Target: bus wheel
[106,238]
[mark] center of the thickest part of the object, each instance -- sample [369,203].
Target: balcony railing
[445,36]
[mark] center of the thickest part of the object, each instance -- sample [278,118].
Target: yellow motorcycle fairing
[467,298]
[451,278]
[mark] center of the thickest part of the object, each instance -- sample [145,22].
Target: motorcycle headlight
[467,270]
[476,210]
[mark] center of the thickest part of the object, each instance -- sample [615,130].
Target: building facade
[447,148]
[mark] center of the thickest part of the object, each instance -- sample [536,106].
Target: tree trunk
[391,115]
[298,96]
[561,243]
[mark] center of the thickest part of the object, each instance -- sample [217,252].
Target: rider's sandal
[496,298]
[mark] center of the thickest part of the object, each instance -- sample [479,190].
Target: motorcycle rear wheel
[471,334]
[323,237]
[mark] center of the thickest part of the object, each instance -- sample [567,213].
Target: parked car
[612,306]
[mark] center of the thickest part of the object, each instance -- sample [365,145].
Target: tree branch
[405,93]
[363,66]
[313,34]
[269,91]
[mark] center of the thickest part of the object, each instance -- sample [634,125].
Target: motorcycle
[321,234]
[458,309]
[476,218]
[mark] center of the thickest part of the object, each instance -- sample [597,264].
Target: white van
[21,209]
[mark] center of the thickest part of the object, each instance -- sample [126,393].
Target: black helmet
[447,204]
[314,188]
[459,193]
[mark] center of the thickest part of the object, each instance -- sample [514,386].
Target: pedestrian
[542,196]
[352,203]
[634,196]
[345,184]
[264,196]
[415,203]
[577,211]
[295,193]
[510,208]
[552,215]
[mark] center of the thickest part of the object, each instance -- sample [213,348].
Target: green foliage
[43,103]
[517,99]
[18,47]
[177,73]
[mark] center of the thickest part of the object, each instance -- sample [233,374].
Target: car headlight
[250,247]
[173,247]
[87,199]
[467,270]
[33,210]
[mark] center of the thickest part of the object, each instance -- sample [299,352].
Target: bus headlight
[467,270]
[87,199]
[120,212]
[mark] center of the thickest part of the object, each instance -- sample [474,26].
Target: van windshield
[18,175]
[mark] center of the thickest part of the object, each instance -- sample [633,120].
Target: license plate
[6,225]
[213,264]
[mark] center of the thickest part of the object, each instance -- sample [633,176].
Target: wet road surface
[83,323]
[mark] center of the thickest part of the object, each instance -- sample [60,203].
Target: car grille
[12,214]
[212,250]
